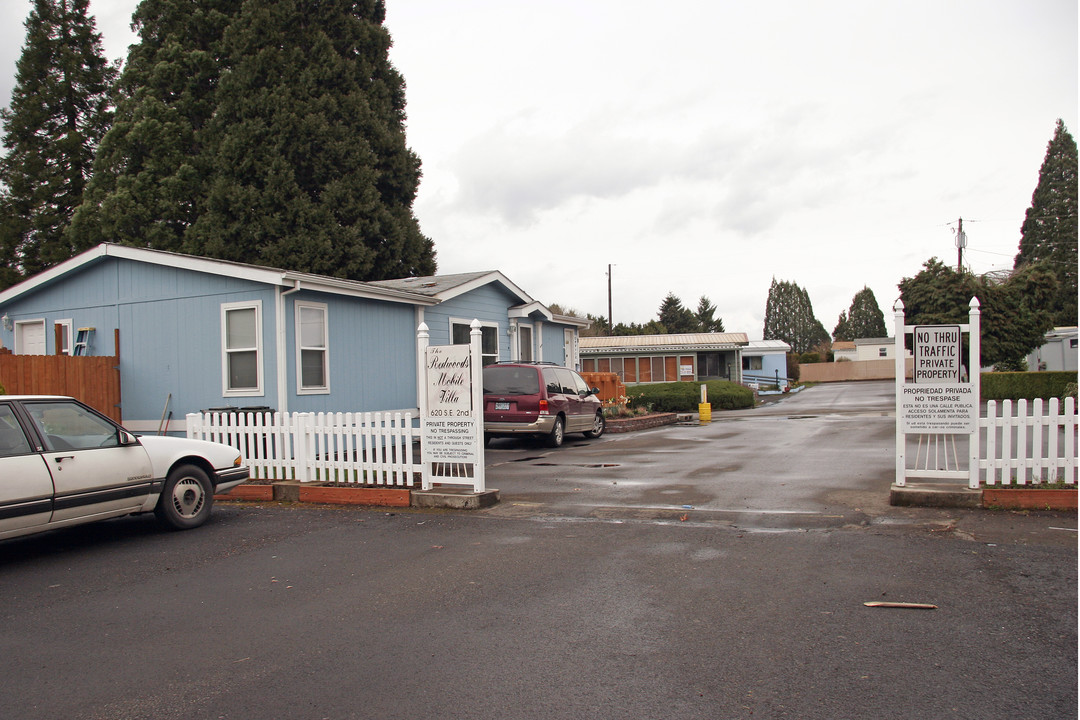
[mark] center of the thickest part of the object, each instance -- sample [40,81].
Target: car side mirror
[594,391]
[126,438]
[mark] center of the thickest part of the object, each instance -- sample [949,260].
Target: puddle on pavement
[583,465]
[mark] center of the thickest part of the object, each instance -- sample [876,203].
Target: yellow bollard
[705,413]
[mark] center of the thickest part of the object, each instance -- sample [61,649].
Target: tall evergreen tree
[842,331]
[706,316]
[152,168]
[1048,235]
[789,316]
[675,317]
[265,131]
[60,108]
[863,319]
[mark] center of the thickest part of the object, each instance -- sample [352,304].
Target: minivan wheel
[598,426]
[555,437]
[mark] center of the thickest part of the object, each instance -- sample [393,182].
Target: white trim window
[460,332]
[241,349]
[312,349]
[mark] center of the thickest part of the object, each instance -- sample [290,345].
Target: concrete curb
[925,495]
[454,499]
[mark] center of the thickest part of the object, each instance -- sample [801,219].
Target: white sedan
[63,463]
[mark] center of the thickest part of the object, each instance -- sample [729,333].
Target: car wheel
[555,437]
[598,426]
[187,498]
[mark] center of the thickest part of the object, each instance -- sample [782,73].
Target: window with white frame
[489,338]
[241,343]
[312,342]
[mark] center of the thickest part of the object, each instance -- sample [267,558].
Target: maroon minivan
[539,399]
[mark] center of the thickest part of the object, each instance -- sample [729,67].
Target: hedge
[685,396]
[1029,385]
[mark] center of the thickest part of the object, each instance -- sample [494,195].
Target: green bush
[809,357]
[1026,385]
[686,396]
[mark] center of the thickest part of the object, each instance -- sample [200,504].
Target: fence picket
[1048,457]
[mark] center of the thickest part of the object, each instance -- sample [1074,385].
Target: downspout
[280,330]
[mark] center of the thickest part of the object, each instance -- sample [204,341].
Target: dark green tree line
[60,109]
[1015,314]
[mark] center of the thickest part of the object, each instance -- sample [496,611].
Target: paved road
[585,594]
[307,613]
[823,458]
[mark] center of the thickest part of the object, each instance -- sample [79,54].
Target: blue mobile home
[214,333]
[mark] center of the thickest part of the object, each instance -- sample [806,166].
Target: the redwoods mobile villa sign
[451,399]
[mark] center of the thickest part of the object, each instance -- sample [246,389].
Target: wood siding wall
[94,380]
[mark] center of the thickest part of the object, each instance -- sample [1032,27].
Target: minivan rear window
[511,381]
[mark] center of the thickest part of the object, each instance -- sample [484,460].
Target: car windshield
[511,381]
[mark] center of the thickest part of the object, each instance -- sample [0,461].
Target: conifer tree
[863,319]
[789,316]
[59,110]
[1049,232]
[706,316]
[264,131]
[675,317]
[151,168]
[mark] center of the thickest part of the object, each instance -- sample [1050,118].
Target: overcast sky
[704,147]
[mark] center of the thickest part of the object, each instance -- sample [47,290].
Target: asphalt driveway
[823,457]
[819,459]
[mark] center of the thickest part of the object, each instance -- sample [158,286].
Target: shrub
[685,396]
[1026,385]
[810,357]
[793,367]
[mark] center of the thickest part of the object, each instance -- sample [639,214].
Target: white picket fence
[374,449]
[1022,447]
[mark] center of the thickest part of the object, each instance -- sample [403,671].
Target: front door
[25,484]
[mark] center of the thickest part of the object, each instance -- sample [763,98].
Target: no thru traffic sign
[936,352]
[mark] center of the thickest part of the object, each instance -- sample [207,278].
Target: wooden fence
[94,380]
[374,449]
[1025,447]
[611,387]
[845,370]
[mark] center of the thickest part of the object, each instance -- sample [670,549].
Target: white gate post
[975,379]
[476,363]
[901,436]
[423,337]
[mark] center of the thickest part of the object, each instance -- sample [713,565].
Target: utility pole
[961,243]
[611,323]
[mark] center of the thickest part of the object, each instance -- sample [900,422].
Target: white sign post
[940,400]
[451,411]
